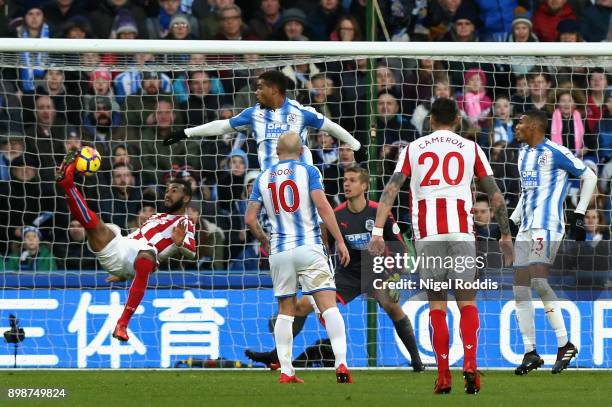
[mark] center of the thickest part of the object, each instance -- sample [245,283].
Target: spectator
[12,146]
[231,180]
[604,130]
[209,22]
[33,257]
[464,27]
[99,122]
[505,170]
[68,107]
[8,9]
[129,81]
[548,15]
[441,13]
[107,12]
[33,26]
[567,125]
[158,27]
[300,75]
[23,197]
[146,211]
[324,156]
[323,96]
[347,29]
[124,27]
[120,202]
[267,19]
[232,27]
[569,31]
[57,12]
[353,85]
[324,18]
[418,87]
[245,97]
[502,128]
[595,225]
[292,26]
[140,106]
[496,18]
[180,29]
[420,116]
[595,20]
[596,98]
[74,254]
[44,138]
[539,84]
[100,85]
[77,28]
[158,158]
[202,105]
[210,241]
[391,125]
[522,31]
[386,81]
[474,103]
[521,91]
[484,228]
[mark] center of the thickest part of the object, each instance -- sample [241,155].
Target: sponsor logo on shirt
[358,241]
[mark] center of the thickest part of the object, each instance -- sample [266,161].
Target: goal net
[221,303]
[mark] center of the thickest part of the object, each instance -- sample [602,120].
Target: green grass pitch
[385,388]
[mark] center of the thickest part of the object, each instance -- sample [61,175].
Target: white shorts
[434,250]
[536,246]
[307,264]
[119,255]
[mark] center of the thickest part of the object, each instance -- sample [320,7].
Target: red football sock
[469,326]
[79,209]
[439,337]
[143,267]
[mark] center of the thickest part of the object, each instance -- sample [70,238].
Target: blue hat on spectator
[293,14]
[568,26]
[239,153]
[29,229]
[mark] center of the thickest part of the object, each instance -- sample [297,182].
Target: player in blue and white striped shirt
[292,193]
[545,168]
[274,115]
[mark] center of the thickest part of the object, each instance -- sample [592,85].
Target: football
[88,161]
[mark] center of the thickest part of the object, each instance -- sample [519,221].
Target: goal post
[222,303]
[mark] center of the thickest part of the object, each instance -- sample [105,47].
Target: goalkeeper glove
[578,230]
[175,137]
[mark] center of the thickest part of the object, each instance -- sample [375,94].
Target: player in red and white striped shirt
[135,256]
[441,167]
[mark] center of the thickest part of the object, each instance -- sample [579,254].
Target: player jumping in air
[293,196]
[441,167]
[356,218]
[137,255]
[545,168]
[274,115]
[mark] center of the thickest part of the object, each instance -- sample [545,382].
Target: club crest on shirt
[544,158]
[291,118]
[369,224]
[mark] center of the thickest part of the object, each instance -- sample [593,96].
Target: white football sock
[551,308]
[283,336]
[525,315]
[334,324]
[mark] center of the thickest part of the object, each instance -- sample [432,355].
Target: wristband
[377,231]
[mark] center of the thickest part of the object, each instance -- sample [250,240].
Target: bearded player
[137,255]
[355,217]
[274,115]
[441,167]
[545,168]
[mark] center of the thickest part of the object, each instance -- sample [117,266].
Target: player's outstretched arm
[338,132]
[252,221]
[213,128]
[589,182]
[329,218]
[489,186]
[387,199]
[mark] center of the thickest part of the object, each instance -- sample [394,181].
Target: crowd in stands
[125,113]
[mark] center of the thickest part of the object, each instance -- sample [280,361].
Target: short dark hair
[186,184]
[482,198]
[364,176]
[275,78]
[444,111]
[540,117]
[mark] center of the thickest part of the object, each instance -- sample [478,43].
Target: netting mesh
[125,105]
